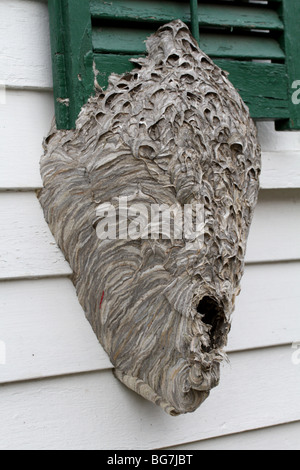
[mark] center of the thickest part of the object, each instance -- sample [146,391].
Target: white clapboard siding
[281,437]
[25,58]
[27,116]
[268,307]
[27,247]
[25,120]
[276,141]
[274,233]
[280,169]
[46,333]
[95,411]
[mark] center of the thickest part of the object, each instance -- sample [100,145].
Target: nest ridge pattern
[173,131]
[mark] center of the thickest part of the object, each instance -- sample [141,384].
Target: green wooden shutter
[257,43]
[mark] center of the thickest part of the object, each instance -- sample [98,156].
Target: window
[257,42]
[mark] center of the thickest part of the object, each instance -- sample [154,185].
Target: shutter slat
[262,87]
[145,11]
[249,17]
[240,47]
[290,12]
[131,41]
[239,17]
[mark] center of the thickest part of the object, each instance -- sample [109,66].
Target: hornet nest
[174,131]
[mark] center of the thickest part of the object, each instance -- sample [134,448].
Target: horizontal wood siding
[57,388]
[25,57]
[45,331]
[27,247]
[285,436]
[95,411]
[275,227]
[27,115]
[267,309]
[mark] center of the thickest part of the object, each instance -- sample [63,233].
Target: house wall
[57,388]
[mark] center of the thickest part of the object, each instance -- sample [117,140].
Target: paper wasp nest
[175,132]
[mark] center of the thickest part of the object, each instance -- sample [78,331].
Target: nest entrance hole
[212,315]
